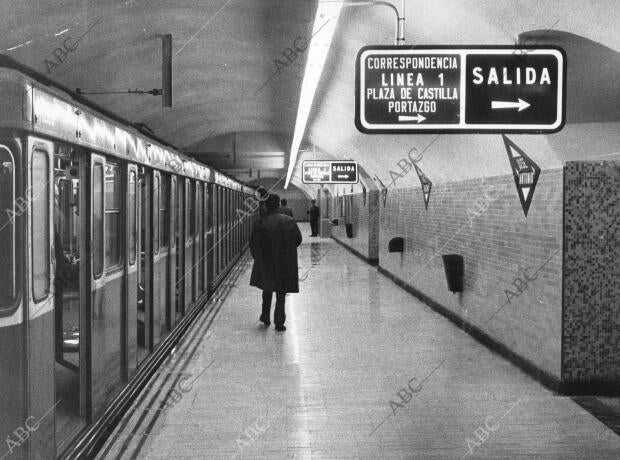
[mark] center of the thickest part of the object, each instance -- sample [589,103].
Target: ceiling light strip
[325,22]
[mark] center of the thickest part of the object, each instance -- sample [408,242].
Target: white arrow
[510,105]
[419,118]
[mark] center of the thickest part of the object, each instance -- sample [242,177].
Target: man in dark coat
[273,244]
[284,209]
[314,218]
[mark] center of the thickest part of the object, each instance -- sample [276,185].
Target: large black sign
[329,172]
[443,90]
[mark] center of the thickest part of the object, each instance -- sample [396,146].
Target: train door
[223,227]
[145,266]
[12,223]
[210,250]
[162,270]
[187,278]
[199,243]
[206,232]
[179,281]
[228,239]
[217,220]
[221,222]
[40,296]
[157,275]
[107,290]
[238,224]
[233,221]
[129,334]
[174,251]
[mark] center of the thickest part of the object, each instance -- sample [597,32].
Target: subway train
[111,242]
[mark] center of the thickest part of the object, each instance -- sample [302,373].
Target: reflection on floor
[364,370]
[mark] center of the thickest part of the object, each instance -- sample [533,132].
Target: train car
[110,241]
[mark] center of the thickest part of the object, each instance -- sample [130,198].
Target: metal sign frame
[331,163]
[460,127]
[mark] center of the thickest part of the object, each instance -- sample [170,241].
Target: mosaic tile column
[591,290]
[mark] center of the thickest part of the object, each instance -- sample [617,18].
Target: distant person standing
[273,244]
[284,209]
[261,195]
[314,218]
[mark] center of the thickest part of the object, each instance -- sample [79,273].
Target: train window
[131,217]
[155,226]
[164,223]
[97,219]
[200,230]
[113,233]
[7,226]
[40,206]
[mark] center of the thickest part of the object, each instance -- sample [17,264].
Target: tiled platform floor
[322,389]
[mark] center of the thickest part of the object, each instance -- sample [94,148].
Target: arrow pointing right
[419,118]
[521,104]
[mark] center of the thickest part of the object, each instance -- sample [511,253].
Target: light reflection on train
[108,240]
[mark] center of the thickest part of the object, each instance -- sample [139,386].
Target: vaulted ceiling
[236,84]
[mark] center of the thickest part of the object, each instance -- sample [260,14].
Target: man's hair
[261,193]
[273,202]
[313,201]
[283,201]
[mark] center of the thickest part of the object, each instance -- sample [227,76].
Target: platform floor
[329,386]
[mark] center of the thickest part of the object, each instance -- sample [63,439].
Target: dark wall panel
[591,312]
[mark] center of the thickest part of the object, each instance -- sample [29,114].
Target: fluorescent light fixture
[325,22]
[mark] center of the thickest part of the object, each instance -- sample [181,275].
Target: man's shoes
[280,327]
[264,320]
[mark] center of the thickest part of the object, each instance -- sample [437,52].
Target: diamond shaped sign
[525,173]
[427,185]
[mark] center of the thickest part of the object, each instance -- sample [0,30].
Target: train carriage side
[109,240]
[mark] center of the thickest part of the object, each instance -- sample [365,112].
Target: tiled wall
[364,216]
[484,222]
[592,272]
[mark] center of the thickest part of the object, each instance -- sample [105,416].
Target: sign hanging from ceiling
[329,172]
[406,90]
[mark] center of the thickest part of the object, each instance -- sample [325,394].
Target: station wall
[363,214]
[546,286]
[482,220]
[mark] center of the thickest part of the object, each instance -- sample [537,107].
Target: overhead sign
[450,89]
[329,172]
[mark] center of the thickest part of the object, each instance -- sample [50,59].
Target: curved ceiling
[226,82]
[236,86]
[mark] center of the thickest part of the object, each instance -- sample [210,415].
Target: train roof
[162,154]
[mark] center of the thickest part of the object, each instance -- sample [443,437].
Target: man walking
[284,209]
[314,218]
[273,244]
